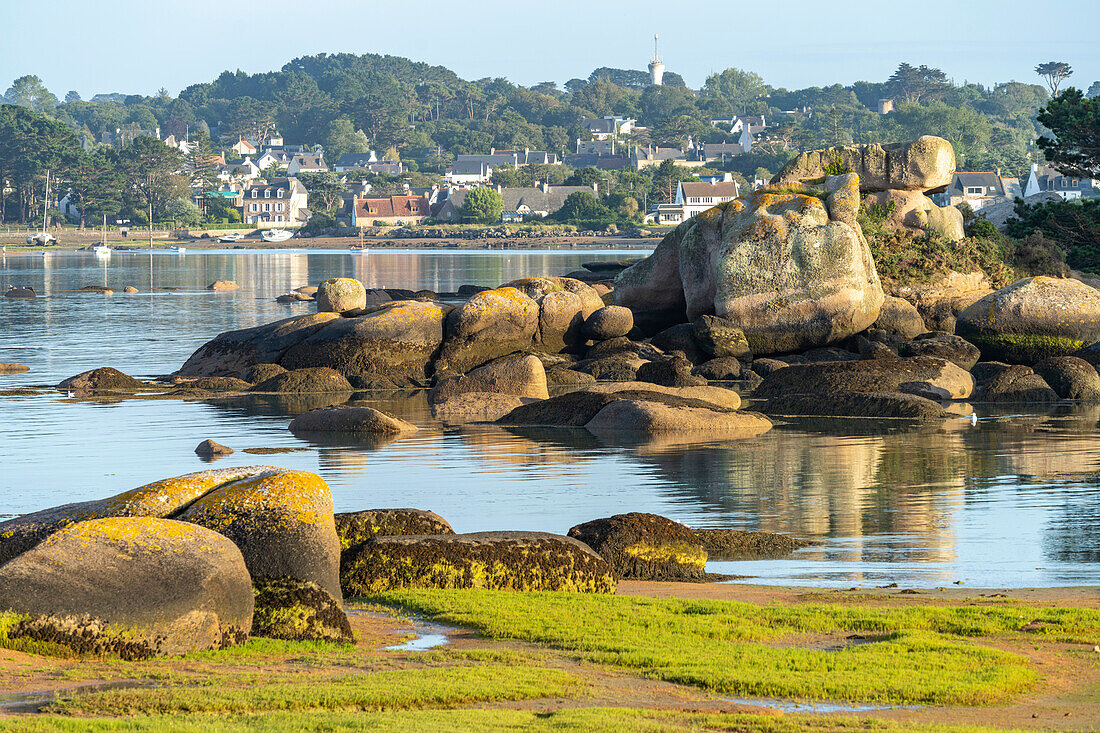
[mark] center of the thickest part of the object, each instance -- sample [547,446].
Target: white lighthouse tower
[656,65]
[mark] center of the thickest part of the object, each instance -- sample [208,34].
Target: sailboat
[276,235]
[102,250]
[43,238]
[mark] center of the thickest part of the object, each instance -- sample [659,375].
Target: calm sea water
[1011,501]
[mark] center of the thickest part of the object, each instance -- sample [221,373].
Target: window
[255,207]
[267,207]
[279,206]
[267,193]
[279,193]
[278,218]
[974,190]
[255,192]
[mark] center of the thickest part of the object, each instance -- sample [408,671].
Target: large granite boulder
[490,324]
[398,339]
[477,407]
[789,268]
[282,521]
[899,317]
[132,586]
[942,345]
[340,294]
[878,405]
[497,560]
[234,353]
[350,420]
[162,498]
[101,380]
[564,305]
[642,546]
[873,375]
[1071,377]
[303,381]
[914,211]
[524,376]
[1017,383]
[608,322]
[921,165]
[356,527]
[1033,319]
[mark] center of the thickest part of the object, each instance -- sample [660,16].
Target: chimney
[545,186]
[500,189]
[492,151]
[727,177]
[595,187]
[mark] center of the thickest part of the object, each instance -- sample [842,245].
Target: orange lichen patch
[136,533]
[166,496]
[298,495]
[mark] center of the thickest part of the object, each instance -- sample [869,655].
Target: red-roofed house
[391,210]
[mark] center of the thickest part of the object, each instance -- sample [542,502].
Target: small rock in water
[129,289]
[212,449]
[13,368]
[222,285]
[14,292]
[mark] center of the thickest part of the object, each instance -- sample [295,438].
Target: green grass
[921,654]
[394,689]
[590,720]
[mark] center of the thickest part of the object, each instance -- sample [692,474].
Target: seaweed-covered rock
[103,379]
[899,317]
[281,520]
[1017,383]
[299,610]
[609,322]
[301,381]
[944,346]
[521,377]
[733,544]
[350,420]
[356,527]
[340,294]
[643,546]
[857,404]
[133,586]
[497,560]
[1072,378]
[263,372]
[398,339]
[162,498]
[234,353]
[721,369]
[1033,319]
[875,375]
[720,337]
[490,324]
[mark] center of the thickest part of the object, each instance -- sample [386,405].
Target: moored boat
[276,235]
[230,238]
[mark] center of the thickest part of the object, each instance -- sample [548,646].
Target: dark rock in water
[944,346]
[498,560]
[609,322]
[521,377]
[233,353]
[856,404]
[209,449]
[680,337]
[219,384]
[133,586]
[720,337]
[1071,377]
[104,379]
[876,375]
[732,544]
[568,378]
[293,298]
[673,372]
[356,527]
[1017,383]
[299,610]
[282,522]
[400,293]
[14,292]
[620,345]
[425,295]
[608,267]
[373,381]
[765,366]
[722,369]
[350,420]
[983,371]
[620,367]
[263,372]
[642,546]
[300,381]
[466,291]
[573,409]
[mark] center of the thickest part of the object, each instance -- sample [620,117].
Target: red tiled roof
[392,206]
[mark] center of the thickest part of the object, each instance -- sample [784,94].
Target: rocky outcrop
[642,546]
[1017,383]
[477,407]
[496,560]
[490,324]
[874,375]
[356,527]
[790,268]
[900,318]
[1033,319]
[1072,378]
[234,353]
[101,380]
[305,381]
[135,587]
[877,405]
[520,377]
[943,346]
[281,520]
[923,164]
[340,294]
[350,420]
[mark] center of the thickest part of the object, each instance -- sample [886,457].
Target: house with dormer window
[282,202]
[697,197]
[1044,178]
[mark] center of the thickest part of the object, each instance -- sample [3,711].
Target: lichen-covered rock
[877,405]
[921,165]
[652,288]
[497,560]
[477,407]
[398,339]
[340,294]
[520,377]
[104,379]
[132,586]
[680,337]
[609,322]
[722,369]
[899,317]
[307,380]
[720,337]
[281,520]
[1017,383]
[1033,319]
[350,420]
[490,324]
[642,546]
[671,372]
[874,375]
[916,212]
[1071,377]
[943,346]
[299,610]
[234,353]
[356,527]
[160,499]
[564,305]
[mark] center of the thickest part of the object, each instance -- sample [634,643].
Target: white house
[241,170]
[304,163]
[603,128]
[697,197]
[280,202]
[1045,178]
[347,161]
[243,147]
[270,157]
[467,172]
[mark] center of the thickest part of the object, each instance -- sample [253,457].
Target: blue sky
[137,46]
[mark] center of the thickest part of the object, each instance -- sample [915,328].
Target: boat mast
[46,201]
